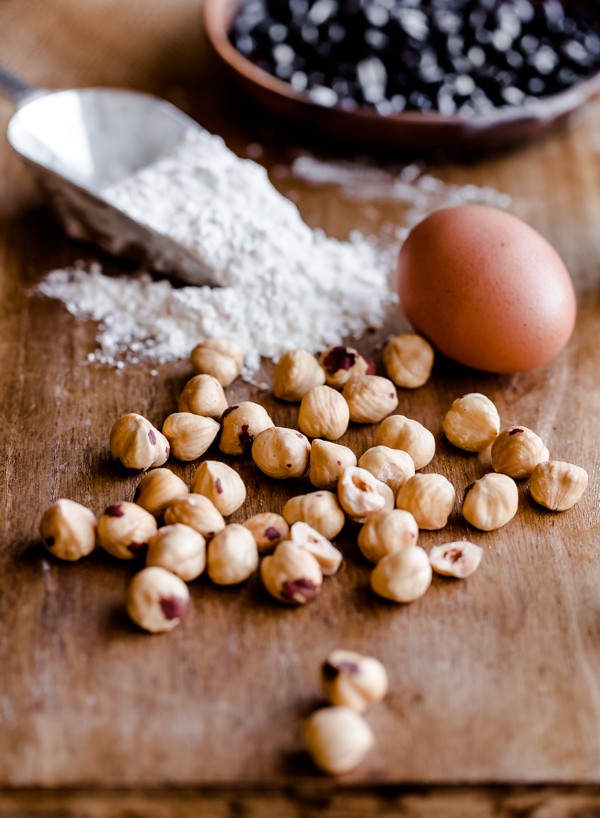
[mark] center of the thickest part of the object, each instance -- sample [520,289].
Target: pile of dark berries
[451,56]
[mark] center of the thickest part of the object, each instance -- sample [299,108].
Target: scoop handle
[13,87]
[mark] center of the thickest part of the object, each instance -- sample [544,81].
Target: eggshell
[486,289]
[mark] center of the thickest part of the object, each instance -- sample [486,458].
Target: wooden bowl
[425,134]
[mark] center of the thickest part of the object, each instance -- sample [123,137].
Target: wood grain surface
[493,681]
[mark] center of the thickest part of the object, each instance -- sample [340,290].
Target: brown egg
[486,289]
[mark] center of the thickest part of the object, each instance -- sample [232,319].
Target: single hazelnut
[370,398]
[517,451]
[179,549]
[556,485]
[241,423]
[157,600]
[320,509]
[353,680]
[268,529]
[392,466]
[221,484]
[403,576]
[68,530]
[220,357]
[232,555]
[338,739]
[327,461]
[281,452]
[157,489]
[456,559]
[342,363]
[326,554]
[323,413]
[429,498]
[203,395]
[491,502]
[400,432]
[408,360]
[387,532]
[296,372]
[198,512]
[124,530]
[137,444]
[472,423]
[361,495]
[189,435]
[291,574]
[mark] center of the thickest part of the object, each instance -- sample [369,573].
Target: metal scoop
[77,142]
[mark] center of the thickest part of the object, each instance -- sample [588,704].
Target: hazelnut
[387,532]
[361,495]
[323,413]
[241,423]
[456,559]
[557,485]
[68,530]
[327,461]
[517,451]
[353,680]
[198,512]
[157,489]
[137,444]
[392,466]
[342,363]
[400,432]
[124,530]
[157,600]
[491,502]
[232,555]
[338,739]
[268,529]
[203,395]
[403,576]
[281,453]
[408,360]
[296,372]
[189,435]
[221,484]
[472,423]
[179,549]
[291,574]
[320,509]
[429,498]
[220,357]
[370,398]
[326,554]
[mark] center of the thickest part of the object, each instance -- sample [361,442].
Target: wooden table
[494,707]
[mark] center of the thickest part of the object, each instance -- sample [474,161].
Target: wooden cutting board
[494,703]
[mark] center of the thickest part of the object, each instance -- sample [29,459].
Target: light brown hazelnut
[338,739]
[291,574]
[392,466]
[268,529]
[326,554]
[408,360]
[557,485]
[400,432]
[179,549]
[232,555]
[429,498]
[220,357]
[68,530]
[456,559]
[342,363]
[472,423]
[296,372]
[404,576]
[361,495]
[517,451]
[221,484]
[320,509]
[281,452]
[241,423]
[370,398]
[323,413]
[203,395]
[327,461]
[137,444]
[198,512]
[491,502]
[189,435]
[353,680]
[387,532]
[157,600]
[124,530]
[157,489]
